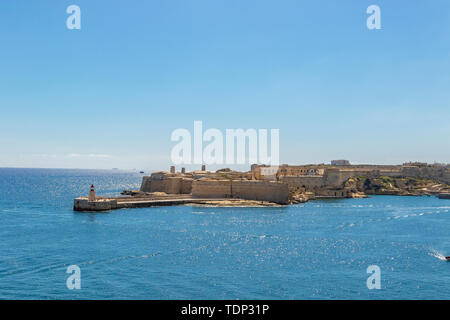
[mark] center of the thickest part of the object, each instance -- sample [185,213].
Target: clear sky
[110,95]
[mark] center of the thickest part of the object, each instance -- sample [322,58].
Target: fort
[282,185]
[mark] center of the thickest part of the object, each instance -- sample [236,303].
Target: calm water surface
[317,250]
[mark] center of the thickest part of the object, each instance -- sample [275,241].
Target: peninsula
[281,185]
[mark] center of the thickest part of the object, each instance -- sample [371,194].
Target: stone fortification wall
[307,182]
[145,184]
[331,193]
[168,184]
[261,190]
[437,173]
[334,177]
[242,189]
[211,188]
[214,185]
[186,185]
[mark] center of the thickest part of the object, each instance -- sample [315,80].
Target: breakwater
[107,204]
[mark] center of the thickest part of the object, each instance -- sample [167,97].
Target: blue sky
[110,94]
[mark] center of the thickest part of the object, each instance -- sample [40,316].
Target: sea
[382,247]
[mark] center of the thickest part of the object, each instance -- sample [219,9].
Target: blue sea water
[317,250]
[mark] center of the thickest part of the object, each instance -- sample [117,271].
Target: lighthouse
[92,193]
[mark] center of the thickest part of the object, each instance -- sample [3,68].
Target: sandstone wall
[145,185]
[171,185]
[186,186]
[337,177]
[439,174]
[211,188]
[333,177]
[330,193]
[308,182]
[245,189]
[261,190]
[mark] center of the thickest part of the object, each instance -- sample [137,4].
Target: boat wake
[437,254]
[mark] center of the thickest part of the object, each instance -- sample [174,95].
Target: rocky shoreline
[395,186]
[363,187]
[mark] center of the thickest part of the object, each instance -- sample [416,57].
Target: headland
[271,186]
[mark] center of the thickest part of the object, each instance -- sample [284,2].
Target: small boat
[141,171]
[447,258]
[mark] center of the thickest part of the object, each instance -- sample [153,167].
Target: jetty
[137,199]
[107,204]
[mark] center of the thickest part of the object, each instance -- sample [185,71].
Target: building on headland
[340,162]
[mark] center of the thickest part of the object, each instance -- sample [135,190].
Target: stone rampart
[167,184]
[211,188]
[243,189]
[307,182]
[261,190]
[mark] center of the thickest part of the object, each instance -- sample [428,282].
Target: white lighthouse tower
[92,193]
